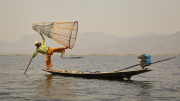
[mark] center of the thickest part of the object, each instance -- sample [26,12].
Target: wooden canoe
[99,75]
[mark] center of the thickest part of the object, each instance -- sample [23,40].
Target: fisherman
[145,60]
[41,48]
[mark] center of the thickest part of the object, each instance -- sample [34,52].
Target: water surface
[160,84]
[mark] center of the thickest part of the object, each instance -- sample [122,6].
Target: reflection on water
[54,87]
[141,88]
[67,88]
[144,87]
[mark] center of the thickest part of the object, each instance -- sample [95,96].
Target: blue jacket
[148,60]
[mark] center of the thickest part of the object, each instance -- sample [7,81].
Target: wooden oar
[163,60]
[129,67]
[147,65]
[27,66]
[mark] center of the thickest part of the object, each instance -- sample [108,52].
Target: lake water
[37,85]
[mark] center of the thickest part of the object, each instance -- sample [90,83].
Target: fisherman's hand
[40,34]
[30,58]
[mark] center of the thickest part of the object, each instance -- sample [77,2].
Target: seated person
[145,60]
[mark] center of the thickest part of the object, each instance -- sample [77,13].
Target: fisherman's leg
[58,49]
[48,61]
[143,65]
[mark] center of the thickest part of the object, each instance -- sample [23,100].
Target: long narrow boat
[104,75]
[99,75]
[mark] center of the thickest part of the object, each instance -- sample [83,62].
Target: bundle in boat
[64,33]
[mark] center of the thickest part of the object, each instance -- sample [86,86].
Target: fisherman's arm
[35,53]
[43,39]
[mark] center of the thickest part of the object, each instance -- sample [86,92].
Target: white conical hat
[36,42]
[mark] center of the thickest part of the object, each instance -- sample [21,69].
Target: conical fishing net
[63,33]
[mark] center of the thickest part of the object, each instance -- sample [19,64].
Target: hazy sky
[122,18]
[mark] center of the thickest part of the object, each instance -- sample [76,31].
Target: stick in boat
[27,66]
[148,65]
[70,57]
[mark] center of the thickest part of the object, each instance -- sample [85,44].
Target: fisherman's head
[139,57]
[37,44]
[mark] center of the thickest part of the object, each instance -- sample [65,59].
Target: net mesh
[63,33]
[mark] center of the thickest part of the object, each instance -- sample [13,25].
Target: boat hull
[99,75]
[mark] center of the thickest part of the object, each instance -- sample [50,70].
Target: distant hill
[148,34]
[143,43]
[99,43]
